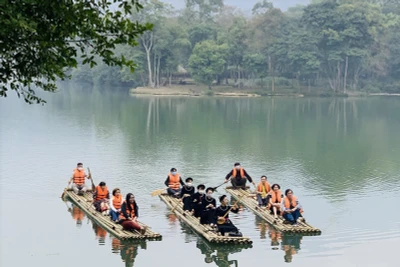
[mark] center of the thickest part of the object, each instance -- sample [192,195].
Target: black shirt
[220,212]
[187,190]
[207,201]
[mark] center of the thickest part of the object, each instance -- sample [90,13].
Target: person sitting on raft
[208,208]
[129,215]
[78,179]
[174,182]
[275,200]
[263,189]
[225,225]
[115,204]
[238,176]
[101,198]
[291,208]
[198,199]
[187,193]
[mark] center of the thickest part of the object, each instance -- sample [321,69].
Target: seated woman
[198,198]
[187,193]
[115,204]
[221,213]
[275,200]
[208,208]
[129,215]
[291,208]
[101,196]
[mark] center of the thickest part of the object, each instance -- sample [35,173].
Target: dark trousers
[238,182]
[173,191]
[292,217]
[227,227]
[263,201]
[207,216]
[187,203]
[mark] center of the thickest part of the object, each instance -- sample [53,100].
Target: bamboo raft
[250,201]
[210,234]
[85,203]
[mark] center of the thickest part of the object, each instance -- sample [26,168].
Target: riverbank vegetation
[327,47]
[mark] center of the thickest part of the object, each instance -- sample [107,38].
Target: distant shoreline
[196,91]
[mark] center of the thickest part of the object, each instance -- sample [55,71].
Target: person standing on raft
[78,179]
[129,215]
[174,182]
[291,208]
[187,193]
[238,176]
[221,212]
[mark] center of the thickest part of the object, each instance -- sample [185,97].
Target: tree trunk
[338,77]
[155,68]
[271,73]
[170,79]
[309,86]
[345,74]
[158,72]
[148,45]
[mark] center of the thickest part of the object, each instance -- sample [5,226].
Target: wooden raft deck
[251,203]
[85,203]
[204,230]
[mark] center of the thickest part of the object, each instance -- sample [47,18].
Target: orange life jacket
[79,177]
[234,173]
[117,201]
[101,193]
[287,202]
[115,244]
[260,187]
[174,181]
[121,216]
[276,197]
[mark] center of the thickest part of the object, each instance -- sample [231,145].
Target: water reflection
[289,243]
[219,254]
[128,250]
[77,214]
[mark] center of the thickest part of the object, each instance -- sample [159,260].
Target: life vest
[276,197]
[287,203]
[234,173]
[117,201]
[101,193]
[121,216]
[100,232]
[79,177]
[115,244]
[174,181]
[261,186]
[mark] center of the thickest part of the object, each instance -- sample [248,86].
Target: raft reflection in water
[289,243]
[128,250]
[219,254]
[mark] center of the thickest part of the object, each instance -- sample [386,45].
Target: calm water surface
[340,156]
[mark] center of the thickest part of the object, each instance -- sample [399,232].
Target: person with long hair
[129,215]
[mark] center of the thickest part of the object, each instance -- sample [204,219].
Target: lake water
[340,156]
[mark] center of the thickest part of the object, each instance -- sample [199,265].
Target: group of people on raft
[202,204]
[124,212]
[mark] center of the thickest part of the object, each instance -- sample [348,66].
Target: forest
[332,46]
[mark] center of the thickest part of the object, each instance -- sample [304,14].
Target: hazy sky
[247,5]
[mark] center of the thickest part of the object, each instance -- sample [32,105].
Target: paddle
[215,188]
[222,220]
[158,192]
[91,179]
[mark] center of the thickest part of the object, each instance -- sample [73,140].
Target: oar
[215,188]
[91,179]
[158,192]
[237,201]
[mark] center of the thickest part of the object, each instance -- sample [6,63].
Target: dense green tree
[40,40]
[207,61]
